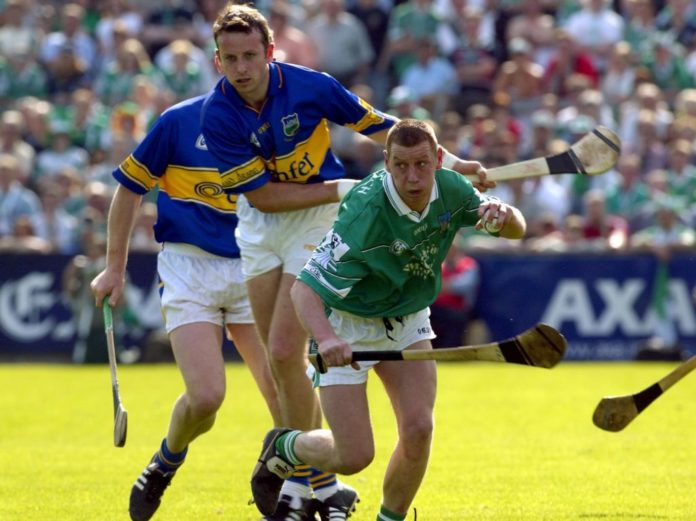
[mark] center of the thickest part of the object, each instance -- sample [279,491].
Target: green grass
[511,443]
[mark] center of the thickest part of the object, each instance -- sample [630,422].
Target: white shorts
[371,334]
[287,239]
[197,286]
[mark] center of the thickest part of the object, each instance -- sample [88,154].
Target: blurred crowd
[501,80]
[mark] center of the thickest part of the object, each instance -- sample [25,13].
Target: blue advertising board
[601,303]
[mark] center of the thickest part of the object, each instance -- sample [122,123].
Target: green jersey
[382,259]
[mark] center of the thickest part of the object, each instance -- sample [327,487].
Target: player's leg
[347,449]
[248,344]
[197,351]
[193,321]
[411,388]
[285,340]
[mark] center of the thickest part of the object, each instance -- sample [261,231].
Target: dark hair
[409,133]
[242,19]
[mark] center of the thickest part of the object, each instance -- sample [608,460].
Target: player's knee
[206,403]
[355,461]
[283,354]
[417,434]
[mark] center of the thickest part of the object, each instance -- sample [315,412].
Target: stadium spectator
[409,22]
[537,27]
[364,293]
[70,35]
[20,75]
[453,308]
[648,145]
[183,74]
[432,79]
[12,128]
[631,196]
[602,230]
[681,173]
[342,43]
[666,68]
[520,80]
[16,200]
[23,239]
[66,73]
[647,96]
[402,103]
[567,60]
[114,84]
[199,67]
[618,82]
[165,22]
[292,44]
[54,224]
[61,154]
[596,28]
[474,59]
[118,21]
[17,38]
[640,26]
[678,17]
[376,20]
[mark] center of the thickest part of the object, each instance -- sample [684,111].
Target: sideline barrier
[602,303]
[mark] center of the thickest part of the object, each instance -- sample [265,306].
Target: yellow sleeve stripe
[369,119]
[244,173]
[138,173]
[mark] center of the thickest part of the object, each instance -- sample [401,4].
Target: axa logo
[572,302]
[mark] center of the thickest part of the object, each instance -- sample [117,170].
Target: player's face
[242,58]
[413,172]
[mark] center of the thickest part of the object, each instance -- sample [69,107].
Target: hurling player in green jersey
[368,287]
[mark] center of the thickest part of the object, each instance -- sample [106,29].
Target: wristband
[449,160]
[343,186]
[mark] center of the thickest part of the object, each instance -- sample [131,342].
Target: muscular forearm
[310,310]
[122,214]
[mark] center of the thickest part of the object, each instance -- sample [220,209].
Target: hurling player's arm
[285,197]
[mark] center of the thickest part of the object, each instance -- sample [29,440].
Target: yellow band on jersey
[201,185]
[307,158]
[244,173]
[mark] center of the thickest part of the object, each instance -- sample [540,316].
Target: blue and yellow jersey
[288,139]
[191,206]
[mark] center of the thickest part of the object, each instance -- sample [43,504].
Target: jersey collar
[400,206]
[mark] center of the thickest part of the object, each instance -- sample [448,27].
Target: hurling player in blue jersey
[202,287]
[266,125]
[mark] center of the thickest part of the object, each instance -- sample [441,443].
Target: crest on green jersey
[398,247]
[444,220]
[330,251]
[291,124]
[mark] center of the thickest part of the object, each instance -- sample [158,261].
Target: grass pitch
[511,443]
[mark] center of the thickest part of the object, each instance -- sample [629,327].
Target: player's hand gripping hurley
[614,413]
[539,346]
[593,154]
[120,413]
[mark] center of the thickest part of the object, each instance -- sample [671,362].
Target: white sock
[296,490]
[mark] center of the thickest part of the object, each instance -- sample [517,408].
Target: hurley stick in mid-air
[539,346]
[613,413]
[593,154]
